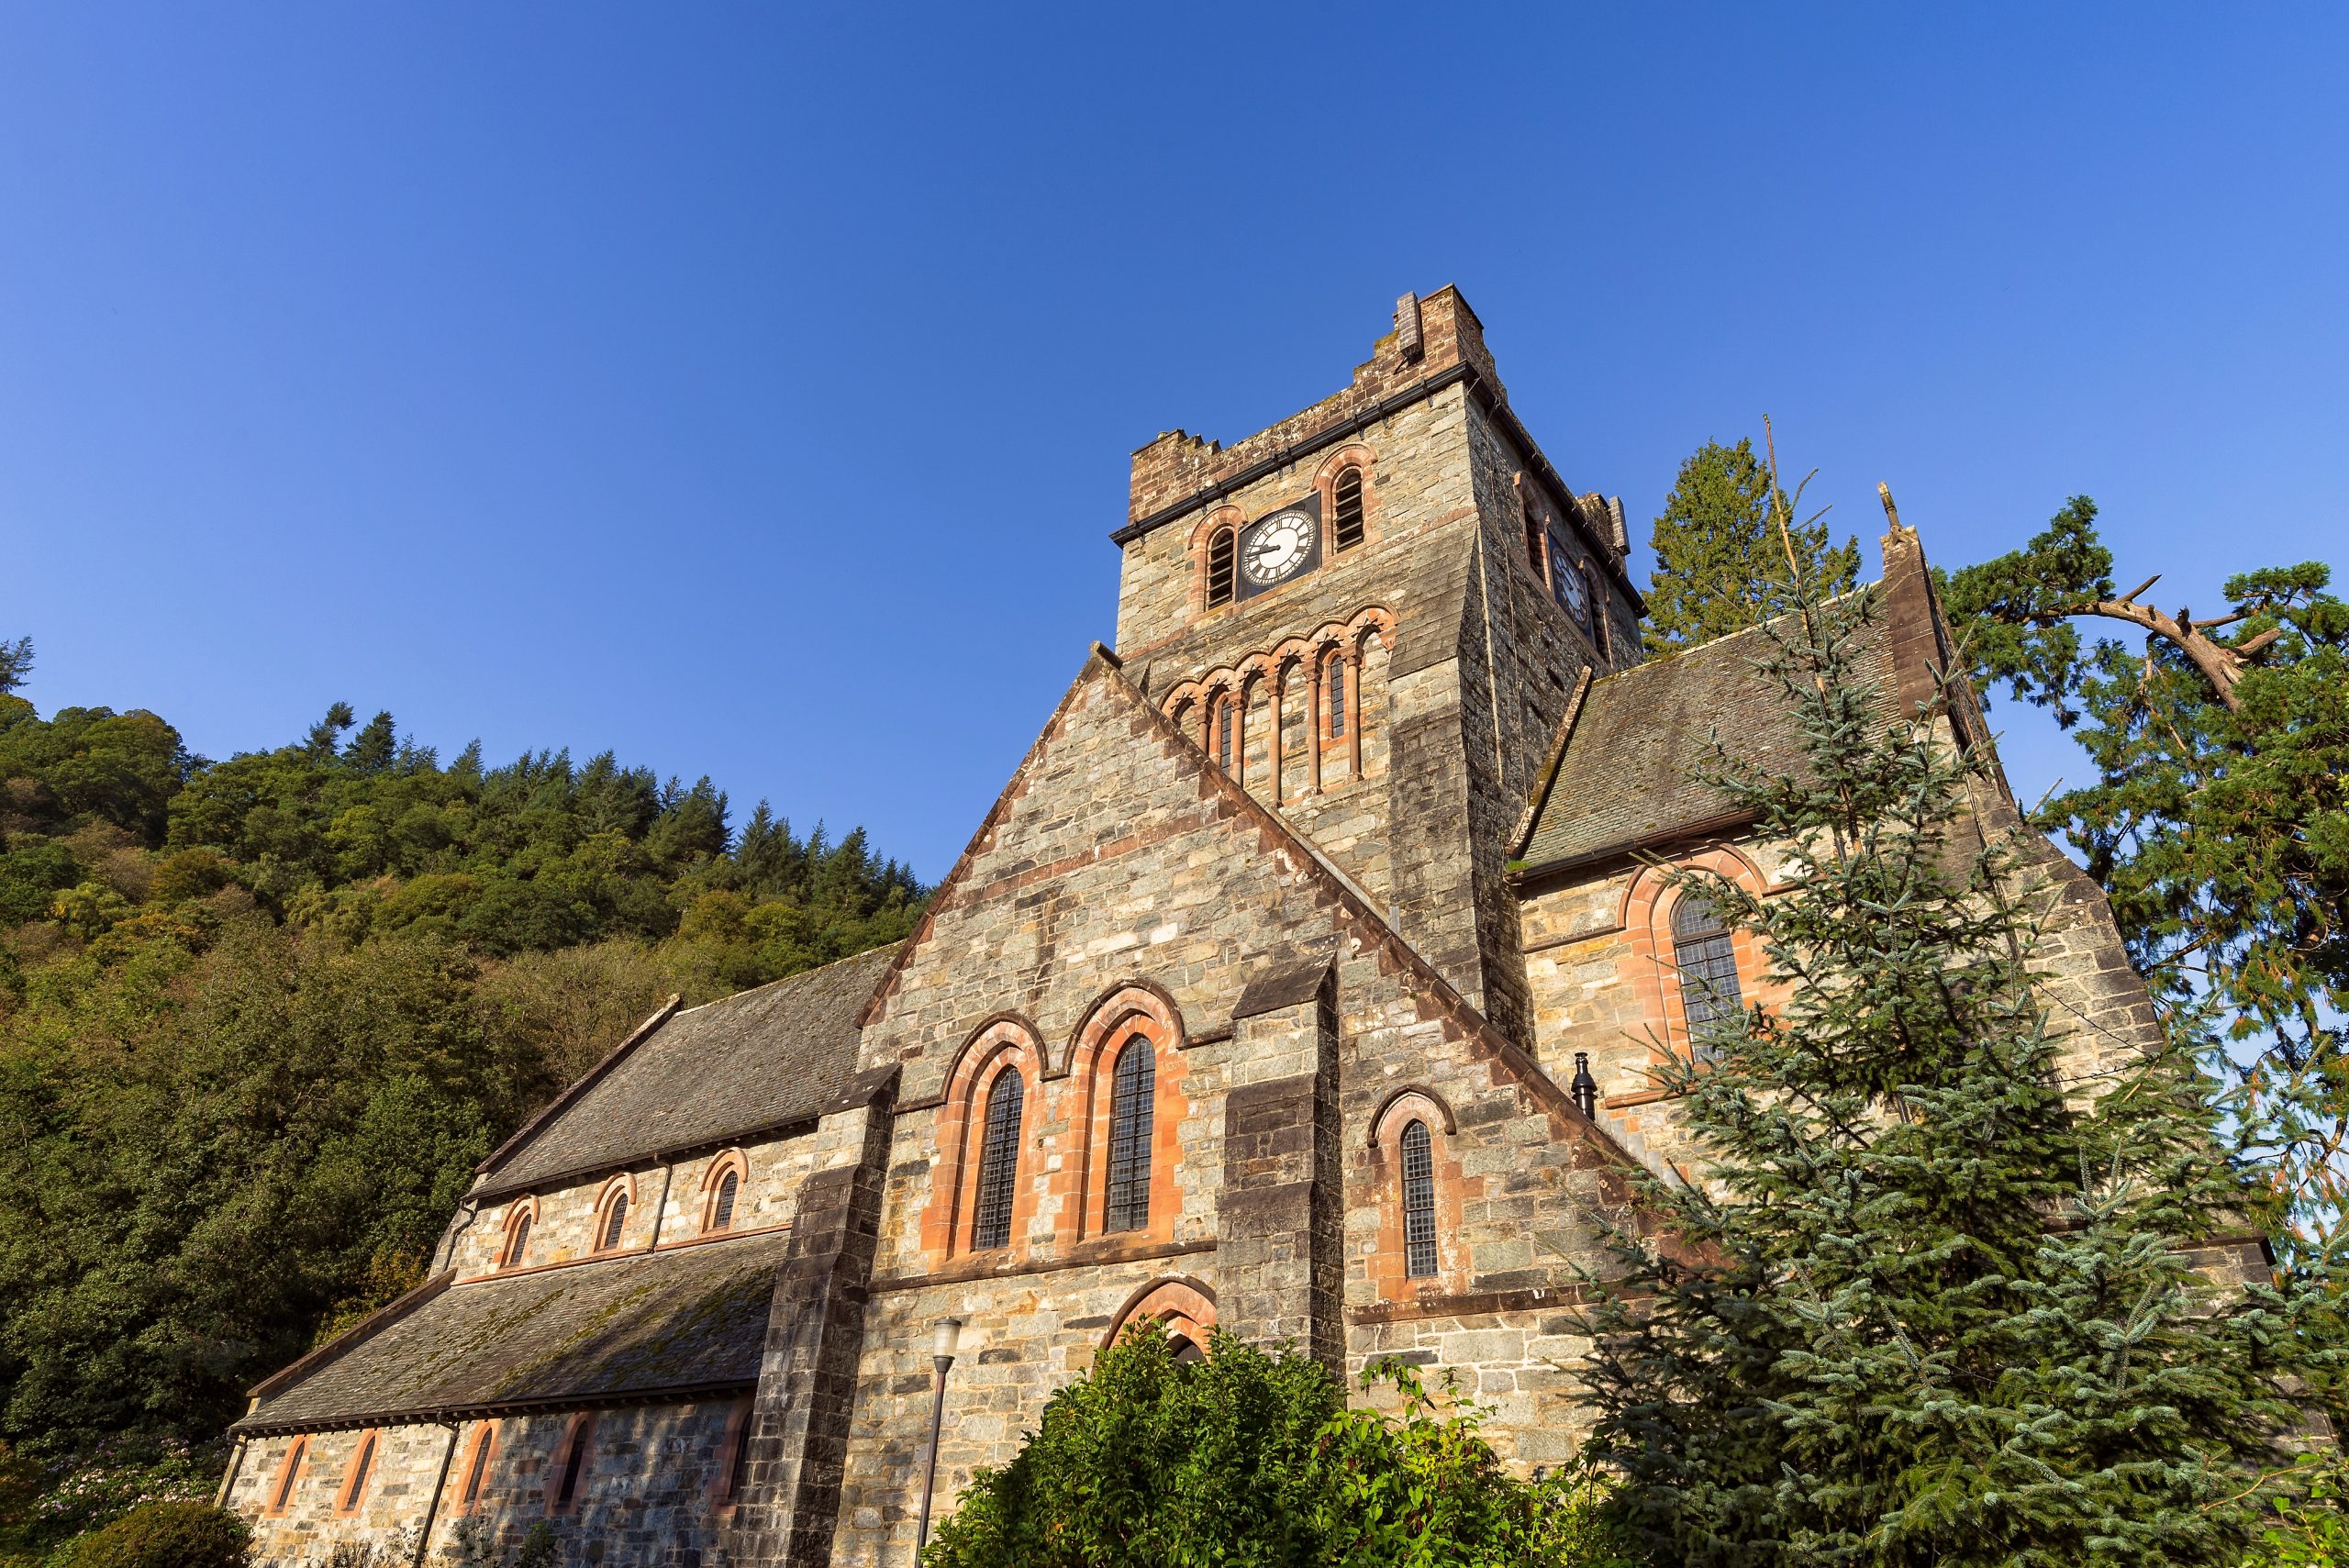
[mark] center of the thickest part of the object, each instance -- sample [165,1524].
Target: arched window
[614,1222]
[477,1466]
[1133,1085]
[1347,493]
[1419,1203]
[1185,1348]
[517,1241]
[287,1474]
[998,1161]
[574,1463]
[1706,955]
[1221,550]
[1337,696]
[1533,531]
[737,1473]
[354,1485]
[1226,715]
[721,1207]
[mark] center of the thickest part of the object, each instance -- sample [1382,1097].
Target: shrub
[164,1535]
[1250,1460]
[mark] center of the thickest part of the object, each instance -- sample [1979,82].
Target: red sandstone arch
[1181,1305]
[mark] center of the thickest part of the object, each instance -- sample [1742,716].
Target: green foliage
[1912,1307]
[2220,831]
[16,663]
[1251,1458]
[259,1020]
[2310,1527]
[1721,565]
[164,1535]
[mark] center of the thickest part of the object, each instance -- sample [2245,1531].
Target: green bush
[1250,1460]
[164,1535]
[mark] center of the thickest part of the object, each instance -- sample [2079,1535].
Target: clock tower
[1376,615]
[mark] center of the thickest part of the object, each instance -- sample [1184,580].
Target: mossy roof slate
[630,1328]
[1628,775]
[747,1062]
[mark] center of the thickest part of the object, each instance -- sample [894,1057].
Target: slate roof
[748,1061]
[1626,775]
[597,1332]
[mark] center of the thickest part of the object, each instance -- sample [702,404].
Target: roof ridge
[792,978]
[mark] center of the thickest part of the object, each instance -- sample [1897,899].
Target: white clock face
[1277,547]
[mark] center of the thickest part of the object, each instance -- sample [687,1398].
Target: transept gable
[1111,776]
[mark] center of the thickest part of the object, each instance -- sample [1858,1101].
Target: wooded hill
[259,1020]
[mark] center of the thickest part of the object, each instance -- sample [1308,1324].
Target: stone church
[1304,981]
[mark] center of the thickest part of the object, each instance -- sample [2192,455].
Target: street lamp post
[948,1334]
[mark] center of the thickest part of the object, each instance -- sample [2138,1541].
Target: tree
[2216,821]
[1721,565]
[16,663]
[1911,1306]
[1249,1457]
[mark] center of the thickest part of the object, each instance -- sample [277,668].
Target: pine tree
[1914,1307]
[1720,564]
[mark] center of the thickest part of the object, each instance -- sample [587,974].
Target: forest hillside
[259,1018]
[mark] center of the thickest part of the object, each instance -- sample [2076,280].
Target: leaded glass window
[1419,1203]
[721,1214]
[1223,711]
[614,1221]
[1705,953]
[1337,697]
[1133,1085]
[999,1160]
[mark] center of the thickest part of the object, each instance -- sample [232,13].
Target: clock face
[1277,547]
[1567,584]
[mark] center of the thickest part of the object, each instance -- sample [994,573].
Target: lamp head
[947,1336]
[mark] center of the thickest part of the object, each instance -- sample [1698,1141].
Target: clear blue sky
[750,390]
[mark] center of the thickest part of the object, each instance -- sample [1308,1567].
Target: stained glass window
[614,1220]
[1133,1088]
[999,1160]
[721,1216]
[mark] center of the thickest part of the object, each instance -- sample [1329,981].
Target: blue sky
[750,390]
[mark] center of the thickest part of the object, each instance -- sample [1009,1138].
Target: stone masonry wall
[1119,865]
[649,1493]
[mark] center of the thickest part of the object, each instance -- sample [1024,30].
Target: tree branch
[2222,665]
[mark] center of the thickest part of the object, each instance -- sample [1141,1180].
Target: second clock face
[1277,548]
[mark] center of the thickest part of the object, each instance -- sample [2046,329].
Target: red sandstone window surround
[477,1463]
[1347,511]
[1679,953]
[1222,552]
[570,1469]
[1000,1159]
[515,1247]
[289,1472]
[732,1474]
[1419,1203]
[611,1215]
[722,1186]
[354,1479]
[1133,1090]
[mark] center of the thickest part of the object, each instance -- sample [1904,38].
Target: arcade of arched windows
[1298,720]
[1091,1152]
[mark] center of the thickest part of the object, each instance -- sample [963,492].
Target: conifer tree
[1912,1306]
[1720,564]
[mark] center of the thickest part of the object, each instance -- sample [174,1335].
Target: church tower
[1375,615]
